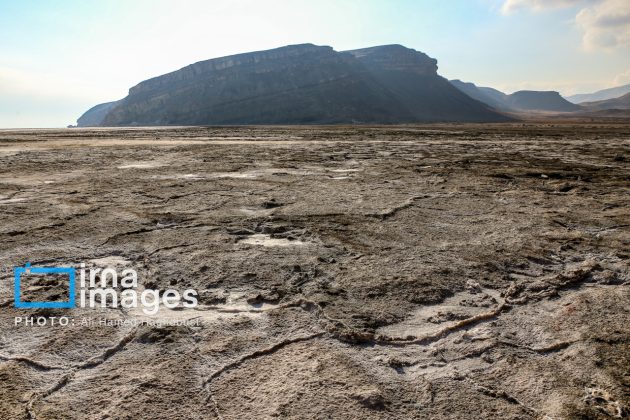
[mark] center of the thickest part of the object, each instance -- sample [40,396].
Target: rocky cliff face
[398,58]
[301,84]
[411,78]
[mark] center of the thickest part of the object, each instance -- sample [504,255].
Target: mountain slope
[301,84]
[94,116]
[600,95]
[616,103]
[412,78]
[489,96]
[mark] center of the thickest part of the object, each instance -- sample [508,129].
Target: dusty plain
[398,272]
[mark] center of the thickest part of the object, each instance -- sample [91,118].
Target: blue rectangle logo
[19,271]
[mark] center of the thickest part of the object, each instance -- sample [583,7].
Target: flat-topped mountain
[299,84]
[523,100]
[530,100]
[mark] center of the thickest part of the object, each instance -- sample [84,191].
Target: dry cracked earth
[443,272]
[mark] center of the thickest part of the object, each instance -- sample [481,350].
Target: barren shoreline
[436,271]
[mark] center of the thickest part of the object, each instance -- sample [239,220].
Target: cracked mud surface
[449,271]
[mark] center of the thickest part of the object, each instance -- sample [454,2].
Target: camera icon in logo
[20,272]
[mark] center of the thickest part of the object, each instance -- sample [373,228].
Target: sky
[60,57]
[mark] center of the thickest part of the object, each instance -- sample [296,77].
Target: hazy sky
[58,58]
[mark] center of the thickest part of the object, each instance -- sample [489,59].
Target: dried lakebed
[465,271]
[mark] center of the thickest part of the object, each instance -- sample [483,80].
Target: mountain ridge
[301,84]
[520,101]
[622,102]
[600,95]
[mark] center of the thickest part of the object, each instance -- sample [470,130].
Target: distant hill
[299,84]
[530,100]
[600,95]
[616,103]
[524,100]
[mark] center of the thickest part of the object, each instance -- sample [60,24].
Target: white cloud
[622,78]
[511,6]
[605,24]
